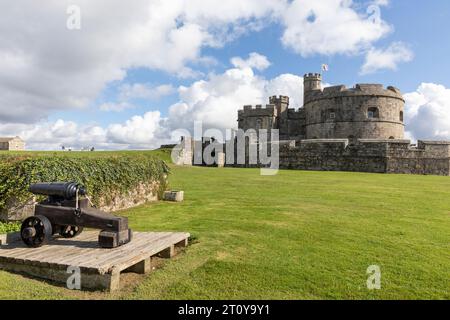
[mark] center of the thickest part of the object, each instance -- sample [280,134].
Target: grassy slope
[297,235]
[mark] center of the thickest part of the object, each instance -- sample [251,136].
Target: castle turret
[312,82]
[281,103]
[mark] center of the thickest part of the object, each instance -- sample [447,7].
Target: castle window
[331,114]
[401,116]
[391,138]
[373,113]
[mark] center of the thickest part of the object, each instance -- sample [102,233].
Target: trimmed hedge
[103,176]
[7,227]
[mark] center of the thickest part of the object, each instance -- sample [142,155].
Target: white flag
[324,67]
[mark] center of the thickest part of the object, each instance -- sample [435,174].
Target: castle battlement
[279,99]
[360,89]
[296,113]
[312,75]
[258,110]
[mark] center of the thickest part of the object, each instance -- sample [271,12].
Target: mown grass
[296,235]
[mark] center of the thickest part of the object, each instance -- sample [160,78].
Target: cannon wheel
[36,231]
[70,231]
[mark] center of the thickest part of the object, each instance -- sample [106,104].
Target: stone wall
[359,155]
[378,156]
[429,157]
[334,155]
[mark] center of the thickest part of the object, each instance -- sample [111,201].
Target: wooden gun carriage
[66,211]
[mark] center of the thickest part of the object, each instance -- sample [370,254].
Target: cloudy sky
[129,73]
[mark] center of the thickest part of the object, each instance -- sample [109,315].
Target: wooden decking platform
[99,268]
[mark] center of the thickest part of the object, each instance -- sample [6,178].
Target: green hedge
[7,227]
[102,175]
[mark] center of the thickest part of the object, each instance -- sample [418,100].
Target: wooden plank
[100,267]
[126,250]
[137,253]
[144,246]
[20,249]
[74,252]
[156,248]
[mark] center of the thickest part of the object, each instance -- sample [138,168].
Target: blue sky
[417,36]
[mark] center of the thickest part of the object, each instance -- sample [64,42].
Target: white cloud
[115,107]
[46,67]
[139,132]
[389,58]
[254,61]
[331,27]
[381,2]
[144,91]
[216,100]
[427,113]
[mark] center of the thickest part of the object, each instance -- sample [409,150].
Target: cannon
[65,212]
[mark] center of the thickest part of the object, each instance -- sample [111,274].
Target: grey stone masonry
[367,155]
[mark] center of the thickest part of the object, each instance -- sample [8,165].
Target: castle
[337,129]
[367,111]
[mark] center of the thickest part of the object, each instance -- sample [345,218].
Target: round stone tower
[312,82]
[367,111]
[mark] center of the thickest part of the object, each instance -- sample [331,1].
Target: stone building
[12,144]
[367,111]
[275,115]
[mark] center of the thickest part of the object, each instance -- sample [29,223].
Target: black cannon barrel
[66,190]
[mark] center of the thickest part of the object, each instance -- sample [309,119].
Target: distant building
[12,144]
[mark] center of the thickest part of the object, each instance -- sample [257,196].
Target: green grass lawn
[297,235]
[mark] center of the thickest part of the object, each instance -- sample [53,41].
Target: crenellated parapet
[258,110]
[359,90]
